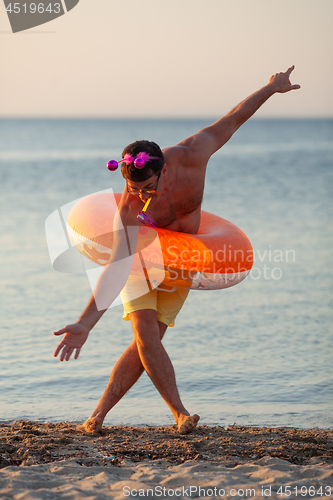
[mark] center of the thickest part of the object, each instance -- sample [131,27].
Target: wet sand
[59,461]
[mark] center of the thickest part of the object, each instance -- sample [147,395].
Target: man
[174,180]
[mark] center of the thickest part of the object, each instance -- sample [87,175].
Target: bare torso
[178,208]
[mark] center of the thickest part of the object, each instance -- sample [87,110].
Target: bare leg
[125,373]
[157,364]
[146,352]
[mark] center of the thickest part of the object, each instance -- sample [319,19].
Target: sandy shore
[55,461]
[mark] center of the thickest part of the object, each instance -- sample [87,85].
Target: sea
[257,354]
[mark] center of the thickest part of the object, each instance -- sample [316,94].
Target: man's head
[151,168]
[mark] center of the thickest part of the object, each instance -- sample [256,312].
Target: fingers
[77,352]
[75,337]
[63,353]
[61,331]
[66,353]
[58,349]
[289,70]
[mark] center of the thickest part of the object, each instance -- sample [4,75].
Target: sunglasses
[144,191]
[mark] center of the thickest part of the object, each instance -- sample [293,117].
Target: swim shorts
[167,303]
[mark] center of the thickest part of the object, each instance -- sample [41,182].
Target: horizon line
[154,117]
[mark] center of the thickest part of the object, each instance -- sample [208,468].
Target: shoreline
[32,443]
[57,461]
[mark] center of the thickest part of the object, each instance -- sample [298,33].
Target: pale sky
[170,58]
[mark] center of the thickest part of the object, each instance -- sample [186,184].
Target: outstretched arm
[208,140]
[109,285]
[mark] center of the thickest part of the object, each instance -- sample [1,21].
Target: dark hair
[152,167]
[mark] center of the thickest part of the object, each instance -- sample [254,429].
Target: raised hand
[75,337]
[280,82]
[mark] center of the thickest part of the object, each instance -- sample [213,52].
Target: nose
[144,196]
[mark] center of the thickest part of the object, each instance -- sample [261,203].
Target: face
[150,188]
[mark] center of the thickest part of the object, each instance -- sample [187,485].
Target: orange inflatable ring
[219,256]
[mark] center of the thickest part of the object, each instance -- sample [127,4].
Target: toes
[189,424]
[196,418]
[91,427]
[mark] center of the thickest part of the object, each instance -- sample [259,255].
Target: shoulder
[182,155]
[176,154]
[194,151]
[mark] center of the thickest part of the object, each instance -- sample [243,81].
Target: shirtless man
[175,183]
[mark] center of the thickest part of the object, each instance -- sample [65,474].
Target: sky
[175,58]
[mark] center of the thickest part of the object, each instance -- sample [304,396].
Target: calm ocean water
[256,354]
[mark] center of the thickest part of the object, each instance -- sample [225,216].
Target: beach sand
[57,461]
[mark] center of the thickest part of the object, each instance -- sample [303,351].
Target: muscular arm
[200,146]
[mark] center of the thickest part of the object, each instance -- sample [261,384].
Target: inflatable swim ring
[219,256]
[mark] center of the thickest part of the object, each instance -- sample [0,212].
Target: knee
[145,327]
[147,335]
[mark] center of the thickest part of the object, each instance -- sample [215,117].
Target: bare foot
[92,426]
[186,423]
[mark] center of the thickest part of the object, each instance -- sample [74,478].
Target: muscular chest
[180,210]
